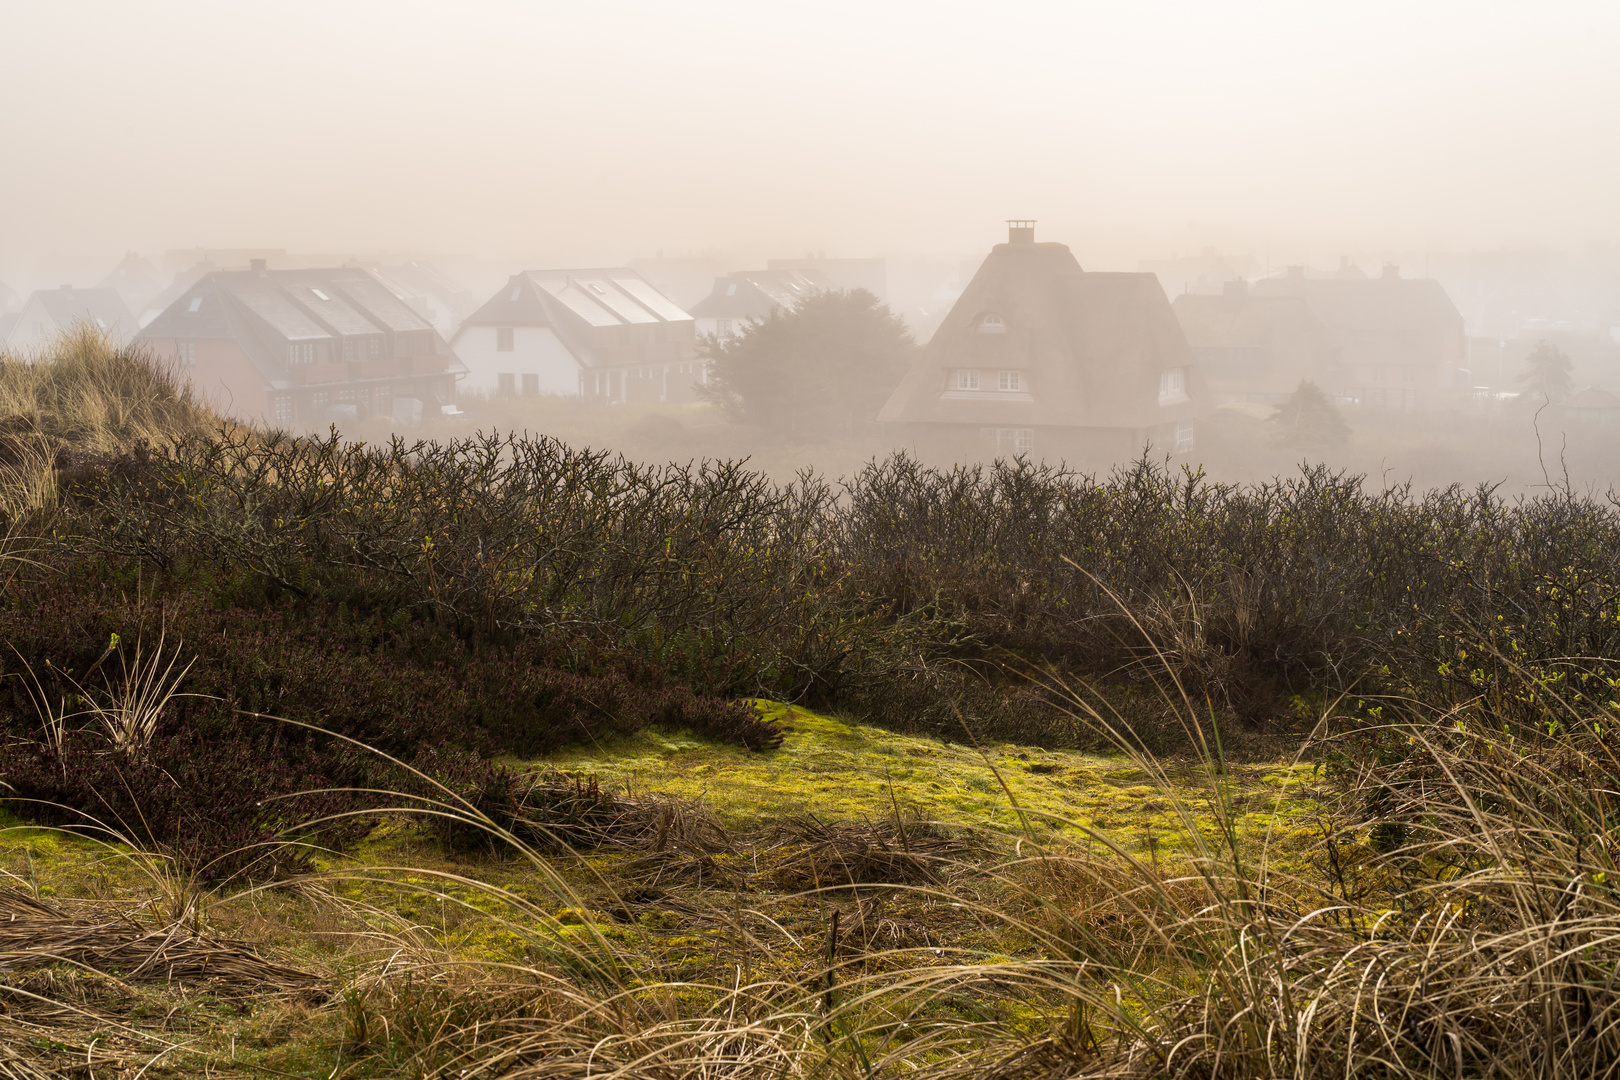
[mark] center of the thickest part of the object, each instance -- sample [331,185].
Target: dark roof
[103,308]
[754,294]
[1289,340]
[1388,319]
[264,310]
[1094,345]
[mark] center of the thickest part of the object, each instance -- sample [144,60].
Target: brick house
[304,348]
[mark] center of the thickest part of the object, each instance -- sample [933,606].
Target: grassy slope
[405,895]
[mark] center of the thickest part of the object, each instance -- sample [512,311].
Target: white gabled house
[602,333]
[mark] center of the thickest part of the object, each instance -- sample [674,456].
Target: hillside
[472,759]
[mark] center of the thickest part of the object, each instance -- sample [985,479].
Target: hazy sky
[603,129]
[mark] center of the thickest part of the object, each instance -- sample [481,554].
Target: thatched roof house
[1040,357]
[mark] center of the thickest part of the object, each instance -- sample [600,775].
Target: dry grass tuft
[35,934]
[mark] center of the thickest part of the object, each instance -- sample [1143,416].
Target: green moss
[839,770]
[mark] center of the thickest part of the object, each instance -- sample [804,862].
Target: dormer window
[1173,386]
[1009,381]
[992,324]
[967,379]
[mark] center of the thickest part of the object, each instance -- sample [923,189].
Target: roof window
[731,290]
[597,289]
[320,295]
[992,324]
[516,289]
[196,305]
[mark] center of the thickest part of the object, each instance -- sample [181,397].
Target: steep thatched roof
[1090,347]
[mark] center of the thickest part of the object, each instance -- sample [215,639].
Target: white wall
[535,351]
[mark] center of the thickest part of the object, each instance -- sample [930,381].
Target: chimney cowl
[1020,231]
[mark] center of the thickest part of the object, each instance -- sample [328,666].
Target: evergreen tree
[825,366]
[1308,420]
[1547,376]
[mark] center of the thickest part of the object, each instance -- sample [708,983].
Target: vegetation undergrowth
[498,758]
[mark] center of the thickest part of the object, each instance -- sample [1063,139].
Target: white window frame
[283,408]
[1009,382]
[1019,441]
[1173,386]
[991,323]
[967,378]
[1185,437]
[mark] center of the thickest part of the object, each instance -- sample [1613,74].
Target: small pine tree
[1308,420]
[1548,374]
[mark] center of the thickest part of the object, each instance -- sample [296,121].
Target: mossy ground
[735,916]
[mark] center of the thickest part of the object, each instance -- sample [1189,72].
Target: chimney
[1020,232]
[1296,273]
[256,265]
[1391,272]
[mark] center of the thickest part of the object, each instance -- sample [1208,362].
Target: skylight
[597,288]
[196,305]
[516,289]
[320,295]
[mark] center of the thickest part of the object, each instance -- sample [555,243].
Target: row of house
[1037,355]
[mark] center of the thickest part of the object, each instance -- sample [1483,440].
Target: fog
[1475,143]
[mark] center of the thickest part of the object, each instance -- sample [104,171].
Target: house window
[188,354]
[320,399]
[531,385]
[382,400]
[1184,437]
[346,396]
[39,329]
[348,350]
[992,324]
[1173,386]
[301,354]
[1009,380]
[1018,442]
[373,348]
[283,405]
[506,383]
[503,339]
[967,379]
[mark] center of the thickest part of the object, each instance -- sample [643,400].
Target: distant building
[684,279]
[135,280]
[1591,407]
[9,300]
[304,347]
[50,312]
[846,274]
[1400,340]
[1042,358]
[430,292]
[749,295]
[1206,272]
[1257,348]
[604,333]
